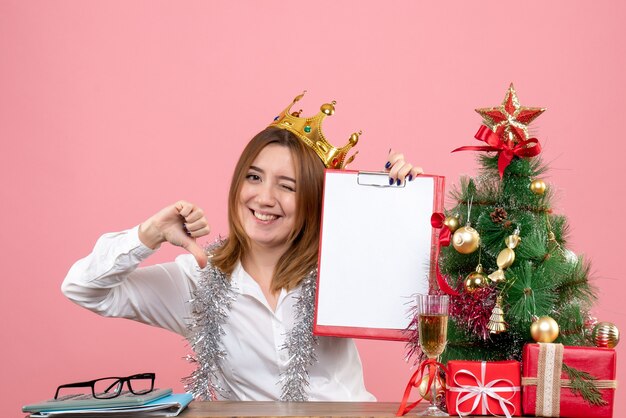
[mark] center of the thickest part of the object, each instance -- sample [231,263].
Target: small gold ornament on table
[476,280]
[440,388]
[538,186]
[605,334]
[506,257]
[544,330]
[496,323]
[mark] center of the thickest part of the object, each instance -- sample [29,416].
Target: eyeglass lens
[107,388]
[110,387]
[140,384]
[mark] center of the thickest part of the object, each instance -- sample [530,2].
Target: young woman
[247,311]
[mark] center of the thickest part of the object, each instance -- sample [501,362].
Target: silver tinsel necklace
[211,305]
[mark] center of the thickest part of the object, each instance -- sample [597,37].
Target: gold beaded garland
[605,334]
[544,330]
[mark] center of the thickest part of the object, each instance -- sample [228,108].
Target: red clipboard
[377,250]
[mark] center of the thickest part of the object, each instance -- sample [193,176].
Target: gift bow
[507,149]
[481,392]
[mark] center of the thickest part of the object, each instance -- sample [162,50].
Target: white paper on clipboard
[376,251]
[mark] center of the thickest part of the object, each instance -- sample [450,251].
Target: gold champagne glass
[433,335]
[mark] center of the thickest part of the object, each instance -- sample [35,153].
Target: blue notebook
[167,406]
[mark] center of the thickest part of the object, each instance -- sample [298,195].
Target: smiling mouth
[265,217]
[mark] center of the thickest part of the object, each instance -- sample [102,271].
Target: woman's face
[267,199]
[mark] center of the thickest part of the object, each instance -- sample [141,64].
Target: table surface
[231,409]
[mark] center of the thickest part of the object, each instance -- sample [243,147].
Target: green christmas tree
[507,226]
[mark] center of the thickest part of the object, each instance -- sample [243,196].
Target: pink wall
[111,110]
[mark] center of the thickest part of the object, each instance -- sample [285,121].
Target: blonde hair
[301,256]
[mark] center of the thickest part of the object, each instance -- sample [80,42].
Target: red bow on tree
[506,148]
[437,222]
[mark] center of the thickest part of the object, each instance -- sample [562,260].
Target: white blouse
[109,283]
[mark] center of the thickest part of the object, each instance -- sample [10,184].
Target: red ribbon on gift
[436,220]
[506,148]
[415,381]
[481,390]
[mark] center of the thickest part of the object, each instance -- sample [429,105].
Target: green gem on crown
[307,129]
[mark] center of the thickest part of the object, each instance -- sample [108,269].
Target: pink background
[111,110]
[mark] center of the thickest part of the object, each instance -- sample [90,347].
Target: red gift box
[482,388]
[546,383]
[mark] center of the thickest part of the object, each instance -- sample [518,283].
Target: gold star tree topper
[510,120]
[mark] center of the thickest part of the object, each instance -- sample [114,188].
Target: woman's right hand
[179,224]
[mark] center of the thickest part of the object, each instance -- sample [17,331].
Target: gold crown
[309,130]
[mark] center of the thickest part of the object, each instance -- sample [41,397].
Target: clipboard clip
[376,179]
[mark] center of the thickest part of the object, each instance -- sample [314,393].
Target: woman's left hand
[399,169]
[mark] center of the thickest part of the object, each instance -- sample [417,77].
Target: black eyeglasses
[111,387]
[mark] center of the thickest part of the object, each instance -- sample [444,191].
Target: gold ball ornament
[440,388]
[544,330]
[476,280]
[452,222]
[605,335]
[466,240]
[538,186]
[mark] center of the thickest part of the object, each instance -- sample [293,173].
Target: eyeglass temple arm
[73,385]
